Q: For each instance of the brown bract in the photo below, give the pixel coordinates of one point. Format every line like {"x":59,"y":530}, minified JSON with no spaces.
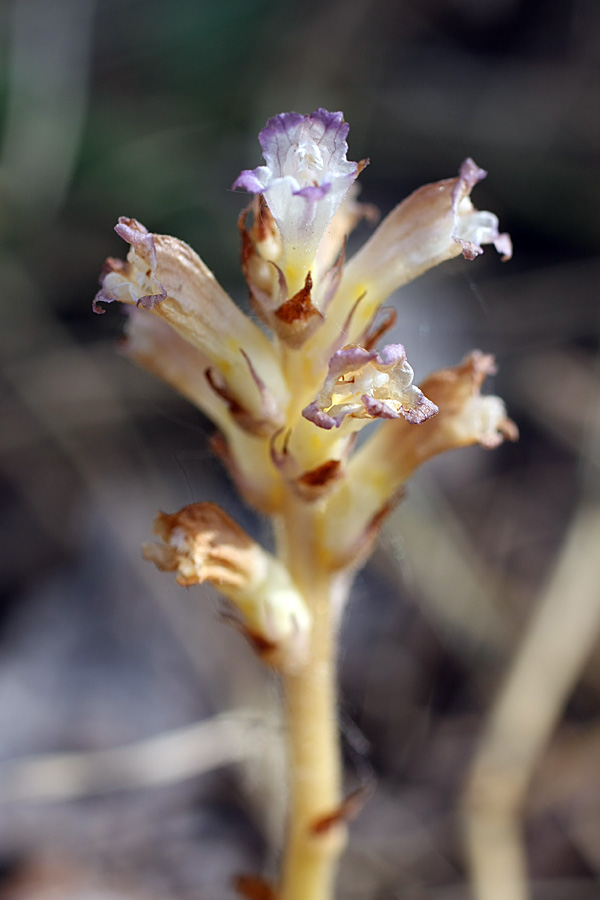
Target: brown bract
{"x":308,"y":484}
{"x":260,"y":253}
{"x":298,"y":318}
{"x":252,"y":887}
{"x":293,"y":319}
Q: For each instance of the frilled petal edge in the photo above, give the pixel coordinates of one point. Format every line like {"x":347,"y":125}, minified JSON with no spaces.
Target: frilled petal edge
{"x":364,"y":384}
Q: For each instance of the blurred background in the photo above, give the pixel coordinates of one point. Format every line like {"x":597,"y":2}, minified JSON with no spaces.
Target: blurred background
{"x":151,"y":110}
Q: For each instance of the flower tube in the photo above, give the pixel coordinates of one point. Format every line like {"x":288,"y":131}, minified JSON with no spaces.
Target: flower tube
{"x":436,"y":223}
{"x":166,"y":278}
{"x":364,"y":385}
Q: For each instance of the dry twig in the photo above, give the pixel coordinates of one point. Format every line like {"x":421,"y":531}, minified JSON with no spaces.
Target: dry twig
{"x":547,"y":666}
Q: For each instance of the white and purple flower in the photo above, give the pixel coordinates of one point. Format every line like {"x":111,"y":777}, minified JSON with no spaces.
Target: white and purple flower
{"x":364,"y":384}
{"x":305,"y":179}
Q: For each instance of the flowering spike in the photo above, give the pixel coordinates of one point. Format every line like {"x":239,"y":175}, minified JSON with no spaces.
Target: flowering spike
{"x":289,"y":406}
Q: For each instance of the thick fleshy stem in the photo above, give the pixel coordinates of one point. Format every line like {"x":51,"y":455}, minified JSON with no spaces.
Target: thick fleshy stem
{"x":316,"y":832}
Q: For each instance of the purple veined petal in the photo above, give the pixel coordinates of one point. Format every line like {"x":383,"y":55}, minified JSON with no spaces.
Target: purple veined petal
{"x":305,"y":179}
{"x":280,"y":128}
{"x":287,"y":130}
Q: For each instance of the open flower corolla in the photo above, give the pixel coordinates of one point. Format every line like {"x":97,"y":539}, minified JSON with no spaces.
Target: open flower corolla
{"x":305,"y":178}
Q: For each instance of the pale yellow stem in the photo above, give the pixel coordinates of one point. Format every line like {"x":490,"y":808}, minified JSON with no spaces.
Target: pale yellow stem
{"x":315,"y":838}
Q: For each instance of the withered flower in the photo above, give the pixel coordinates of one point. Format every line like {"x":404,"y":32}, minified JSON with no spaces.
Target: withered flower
{"x":202,"y":543}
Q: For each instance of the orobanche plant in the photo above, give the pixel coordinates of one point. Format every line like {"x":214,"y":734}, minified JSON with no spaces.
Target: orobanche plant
{"x":289,"y":400}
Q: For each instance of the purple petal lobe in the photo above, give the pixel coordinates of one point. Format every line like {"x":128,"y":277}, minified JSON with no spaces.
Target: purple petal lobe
{"x":470,"y":173}
{"x":472,"y":227}
{"x":314,"y":414}
{"x":138,"y":236}
{"x":249,"y":181}
{"x":393,"y":354}
{"x":313,"y":192}
{"x":351,"y":357}
{"x":134,"y":281}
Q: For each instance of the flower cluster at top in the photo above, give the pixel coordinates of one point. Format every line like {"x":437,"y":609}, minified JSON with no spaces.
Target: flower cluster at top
{"x":289,"y":398}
